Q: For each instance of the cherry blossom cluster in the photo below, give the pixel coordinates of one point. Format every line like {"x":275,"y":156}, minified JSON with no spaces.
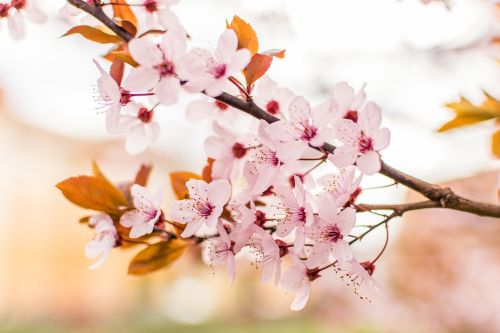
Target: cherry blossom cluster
{"x":16,"y":11}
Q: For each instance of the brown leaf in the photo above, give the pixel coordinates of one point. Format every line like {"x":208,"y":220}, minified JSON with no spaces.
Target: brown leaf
{"x":278,"y":53}
{"x":257,"y":67}
{"x":117,"y":69}
{"x":123,"y":12}
{"x":156,"y":256}
{"x":206,"y":174}
{"x":247,"y":38}
{"x":466,"y":113}
{"x":121,"y":53}
{"x":93,"y":34}
{"x":142,"y":176}
{"x":178,"y":182}
{"x":495,"y":143}
{"x":94,"y":193}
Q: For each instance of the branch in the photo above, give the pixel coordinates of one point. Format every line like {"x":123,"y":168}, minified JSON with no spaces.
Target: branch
{"x":439,"y":196}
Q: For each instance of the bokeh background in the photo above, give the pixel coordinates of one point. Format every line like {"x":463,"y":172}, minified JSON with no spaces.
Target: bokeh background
{"x":441,"y":270}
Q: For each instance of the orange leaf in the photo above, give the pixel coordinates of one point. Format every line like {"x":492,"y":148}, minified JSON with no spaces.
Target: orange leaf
{"x":94,"y":193}
{"x":117,"y":69}
{"x":178,"y":182}
{"x":123,"y":12}
{"x":247,"y":38}
{"x":156,"y":256}
{"x":130,"y":27}
{"x":495,"y":144}
{"x":278,"y":53}
{"x":257,"y":67}
{"x":141,"y":178}
{"x":123,"y":54}
{"x":93,"y":34}
{"x":206,"y":174}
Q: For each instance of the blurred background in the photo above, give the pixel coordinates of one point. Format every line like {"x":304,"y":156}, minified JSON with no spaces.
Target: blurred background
{"x":441,"y":270}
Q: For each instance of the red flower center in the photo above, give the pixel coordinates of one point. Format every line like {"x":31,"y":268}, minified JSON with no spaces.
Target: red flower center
{"x":221,"y":106}
{"x":260,"y":218}
{"x":351,"y":115}
{"x":333,"y":234}
{"x":166,"y":68}
{"x":219,"y":70}
{"x":309,"y":133}
{"x":273,"y":107}
{"x":365,"y":143}
{"x":145,"y":115}
{"x":369,"y":267}
{"x":204,"y":208}
{"x":151,"y":5}
{"x":125,"y":96}
{"x":238,"y":150}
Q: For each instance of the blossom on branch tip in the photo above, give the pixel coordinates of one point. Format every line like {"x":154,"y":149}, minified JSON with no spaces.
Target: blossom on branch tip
{"x":159,"y":12}
{"x":343,"y":186}
{"x":146,"y":212}
{"x":347,"y":101}
{"x":362,"y":141}
{"x":204,"y":207}
{"x":272,"y":98}
{"x":104,"y":240}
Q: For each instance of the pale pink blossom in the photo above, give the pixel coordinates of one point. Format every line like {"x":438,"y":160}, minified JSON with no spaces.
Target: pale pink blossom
{"x":104,"y":239}
{"x":204,"y":207}
{"x":298,"y":213}
{"x":348,"y":102}
{"x":228,"y":150}
{"x":221,"y":252}
{"x":248,"y":218}
{"x":211,"y":109}
{"x":298,"y":279}
{"x":226,"y":62}
{"x":138,"y":122}
{"x":269,"y":159}
{"x":268,"y":256}
{"x":146,"y":212}
{"x":305,"y":124}
{"x":162,"y":67}
{"x":330,"y":231}
{"x":19,"y":10}
{"x":159,"y":12}
{"x":344,"y":185}
{"x":359,"y":277}
{"x":272,"y":98}
{"x":362,"y":141}
{"x":110,"y":94}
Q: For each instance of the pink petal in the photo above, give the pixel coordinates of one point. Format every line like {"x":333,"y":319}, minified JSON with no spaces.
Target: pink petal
{"x":152,"y":131}
{"x":168,"y":20}
{"x":265,"y":178}
{"x":344,"y":156}
{"x":300,"y":110}
{"x":343,"y":95}
{"x":199,"y":110}
{"x":319,"y":255}
{"x":226,"y":47}
{"x":141,"y":79}
{"x":341,"y":250}
{"x":16,"y":26}
{"x":136,"y":141}
{"x":381,"y":139}
{"x":139,"y":230}
{"x":238,"y":61}
{"x":219,"y":192}
{"x":191,"y":228}
{"x":347,"y":220}
{"x":146,"y":53}
{"x":182,"y":211}
{"x":369,"y":163}
{"x":346,"y":131}
{"x":198,"y":189}
{"x":131,"y":218}
{"x":174,"y":43}
{"x":370,"y":118}
{"x":113,"y":118}
{"x":167,"y":90}
{"x":302,"y":296}
{"x":300,"y":239}
{"x":216,"y":147}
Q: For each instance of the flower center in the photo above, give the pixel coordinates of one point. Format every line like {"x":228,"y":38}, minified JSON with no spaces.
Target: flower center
{"x":221,"y":106}
{"x":166,"y":68}
{"x":219,"y":70}
{"x":309,"y":133}
{"x":204,"y":208}
{"x":260,"y":218}
{"x":351,"y":115}
{"x":151,"y":5}
{"x":333,"y":234}
{"x":125,"y":97}
{"x":238,"y":150}
{"x":4,"y":10}
{"x":145,"y":115}
{"x":365,"y":143}
{"x":273,"y":107}
{"x":301,"y":214}
{"x":369,"y":267}
{"x":18,"y":4}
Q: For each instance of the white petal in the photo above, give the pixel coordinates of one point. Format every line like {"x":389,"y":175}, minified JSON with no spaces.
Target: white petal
{"x":167,"y":90}
{"x":227,"y":45}
{"x":369,"y":163}
{"x":141,"y":79}
{"x":145,"y":52}
{"x":136,"y":141}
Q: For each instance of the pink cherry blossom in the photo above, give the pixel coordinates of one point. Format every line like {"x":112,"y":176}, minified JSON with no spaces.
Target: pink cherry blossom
{"x":268,"y":256}
{"x":17,"y":11}
{"x":162,"y":67}
{"x":140,"y":127}
{"x":146,"y":212}
{"x":221,"y":252}
{"x":159,"y":12}
{"x":298,"y":213}
{"x":329,"y":231}
{"x":104,"y":239}
{"x":343,"y":186}
{"x":272,"y":98}
{"x":204,"y":207}
{"x":305,"y":124}
{"x":268,"y":160}
{"x":247,"y":226}
{"x":348,"y":102}
{"x":226,"y":61}
{"x":298,"y":279}
{"x":212,"y":109}
{"x":228,"y":150}
{"x":359,"y":276}
{"x":362,"y":140}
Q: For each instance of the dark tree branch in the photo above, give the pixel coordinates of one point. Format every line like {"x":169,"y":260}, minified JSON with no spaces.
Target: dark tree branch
{"x":438,"y":196}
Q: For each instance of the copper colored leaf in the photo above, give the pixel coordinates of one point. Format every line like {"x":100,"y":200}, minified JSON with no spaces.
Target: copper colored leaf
{"x":257,"y":67}
{"x":122,"y":54}
{"x":178,"y":182}
{"x":142,"y":176}
{"x":93,"y":34}
{"x":93,"y":193}
{"x":123,"y":12}
{"x":156,"y":256}
{"x":467,"y":113}
{"x":247,"y":38}
{"x":117,"y":69}
{"x":125,"y":240}
{"x":495,"y":144}
{"x":278,"y":53}
{"x":130,"y":27}
{"x":206,"y":174}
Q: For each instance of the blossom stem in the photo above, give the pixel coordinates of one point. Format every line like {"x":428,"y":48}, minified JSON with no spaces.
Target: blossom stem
{"x":379,"y":187}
